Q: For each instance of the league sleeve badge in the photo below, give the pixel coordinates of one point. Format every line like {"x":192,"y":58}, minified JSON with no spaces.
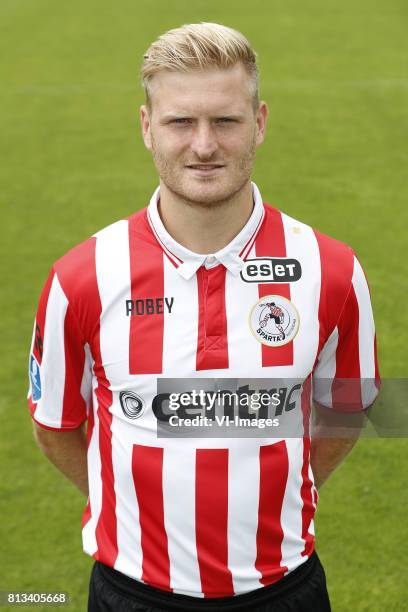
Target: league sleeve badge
{"x":35,"y":378}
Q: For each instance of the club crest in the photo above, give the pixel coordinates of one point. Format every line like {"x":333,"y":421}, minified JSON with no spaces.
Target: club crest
{"x":274,"y":320}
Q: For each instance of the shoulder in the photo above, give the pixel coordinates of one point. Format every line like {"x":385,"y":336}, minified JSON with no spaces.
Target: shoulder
{"x":333,"y":264}
{"x":77,"y":268}
{"x":336,"y":257}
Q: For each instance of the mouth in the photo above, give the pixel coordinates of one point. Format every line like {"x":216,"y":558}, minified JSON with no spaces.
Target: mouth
{"x":205,"y":168}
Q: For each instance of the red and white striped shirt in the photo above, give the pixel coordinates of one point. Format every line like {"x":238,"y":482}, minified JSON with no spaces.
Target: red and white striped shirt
{"x":204,"y":517}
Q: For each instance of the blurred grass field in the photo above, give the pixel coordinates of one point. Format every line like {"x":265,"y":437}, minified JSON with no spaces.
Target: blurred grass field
{"x":335,"y":77}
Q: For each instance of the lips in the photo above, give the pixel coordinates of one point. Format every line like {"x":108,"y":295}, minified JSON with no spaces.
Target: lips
{"x":205,"y":167}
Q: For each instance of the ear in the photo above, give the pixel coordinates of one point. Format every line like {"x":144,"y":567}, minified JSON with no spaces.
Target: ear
{"x":261,"y":118}
{"x":145,"y":124}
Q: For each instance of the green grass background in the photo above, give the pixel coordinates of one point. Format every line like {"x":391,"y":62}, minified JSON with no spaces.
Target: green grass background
{"x":335,"y":77}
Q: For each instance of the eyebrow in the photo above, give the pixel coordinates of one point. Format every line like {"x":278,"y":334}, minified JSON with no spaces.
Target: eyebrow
{"x":181,"y":115}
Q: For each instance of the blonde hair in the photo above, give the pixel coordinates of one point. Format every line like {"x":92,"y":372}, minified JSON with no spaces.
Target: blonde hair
{"x":199,"y":46}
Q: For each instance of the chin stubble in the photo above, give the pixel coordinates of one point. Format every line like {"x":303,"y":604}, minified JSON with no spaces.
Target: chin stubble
{"x":245,"y":165}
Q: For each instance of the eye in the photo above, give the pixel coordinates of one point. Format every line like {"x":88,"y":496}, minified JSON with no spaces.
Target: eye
{"x":180,"y":120}
{"x":225,"y":120}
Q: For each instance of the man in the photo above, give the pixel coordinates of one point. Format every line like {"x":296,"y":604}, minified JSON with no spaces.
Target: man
{"x":276,"y":314}
{"x":174,"y":295}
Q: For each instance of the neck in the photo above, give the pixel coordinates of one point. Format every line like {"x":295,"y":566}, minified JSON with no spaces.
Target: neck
{"x":205,"y":228}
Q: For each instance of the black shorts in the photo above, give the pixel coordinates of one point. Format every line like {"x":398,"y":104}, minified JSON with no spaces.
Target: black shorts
{"x":303,"y":590}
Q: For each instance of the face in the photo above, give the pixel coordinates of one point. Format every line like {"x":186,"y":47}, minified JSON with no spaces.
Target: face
{"x":203,"y":132}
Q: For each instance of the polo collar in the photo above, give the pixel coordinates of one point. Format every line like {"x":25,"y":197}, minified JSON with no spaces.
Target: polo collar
{"x":232,"y":256}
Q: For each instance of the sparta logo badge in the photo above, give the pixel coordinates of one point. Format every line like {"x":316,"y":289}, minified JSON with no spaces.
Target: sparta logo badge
{"x":132,"y":404}
{"x":274,"y":320}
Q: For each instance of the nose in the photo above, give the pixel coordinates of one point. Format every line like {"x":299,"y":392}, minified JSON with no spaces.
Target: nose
{"x":204,"y":143}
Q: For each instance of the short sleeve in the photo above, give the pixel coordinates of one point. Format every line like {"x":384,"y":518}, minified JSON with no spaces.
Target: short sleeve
{"x":60,"y":379}
{"x":346,"y":376}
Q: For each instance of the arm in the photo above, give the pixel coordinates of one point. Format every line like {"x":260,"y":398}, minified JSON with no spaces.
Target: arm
{"x":60,"y":378}
{"x":345,"y":377}
{"x":331,"y":444}
{"x":67,"y":450}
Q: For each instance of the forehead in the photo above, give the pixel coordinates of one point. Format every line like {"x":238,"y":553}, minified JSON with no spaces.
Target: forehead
{"x":209,"y":90}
